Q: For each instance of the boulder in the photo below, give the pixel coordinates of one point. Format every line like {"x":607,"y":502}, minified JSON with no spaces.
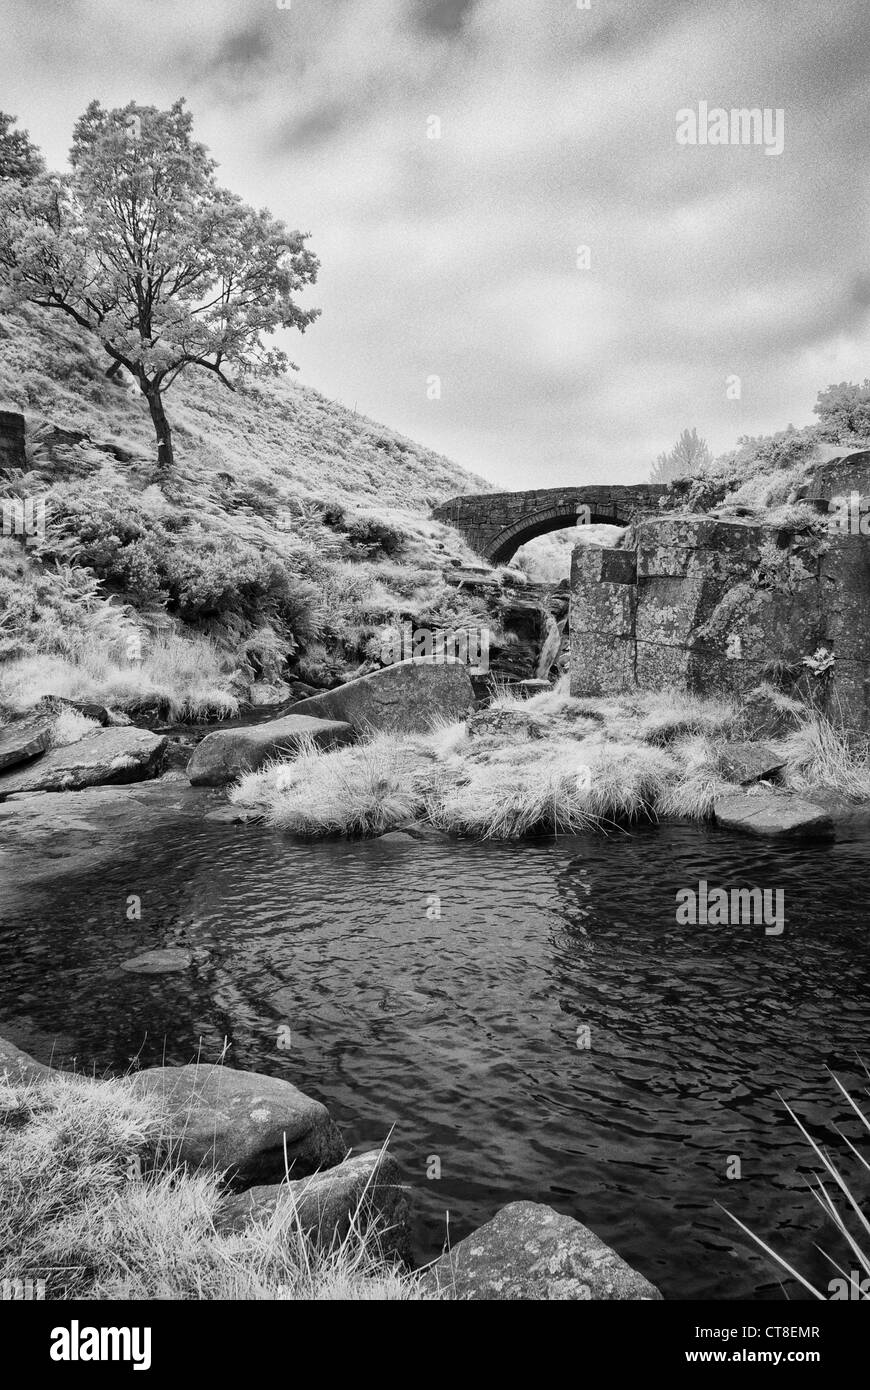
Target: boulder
{"x":23,"y":740}
{"x":226,"y":754}
{"x":16,"y":1065}
{"x":105,"y":756}
{"x":404,"y":698}
{"x":745,"y":762}
{"x":530,"y":1251}
{"x":772,"y":813}
{"x":159,"y":962}
{"x":268,"y":693}
{"x":505,"y":723}
{"x":767,"y":714}
{"x":366,"y":1188}
{"x":241,"y":1123}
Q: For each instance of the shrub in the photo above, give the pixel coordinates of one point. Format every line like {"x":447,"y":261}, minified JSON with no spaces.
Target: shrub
{"x":370,"y":533}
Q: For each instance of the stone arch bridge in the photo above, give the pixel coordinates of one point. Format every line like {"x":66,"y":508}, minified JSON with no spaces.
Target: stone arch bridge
{"x":496,"y":524}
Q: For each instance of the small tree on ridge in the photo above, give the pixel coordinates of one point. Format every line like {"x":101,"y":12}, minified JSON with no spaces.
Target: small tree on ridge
{"x":688,"y":456}
{"x":142,"y":247}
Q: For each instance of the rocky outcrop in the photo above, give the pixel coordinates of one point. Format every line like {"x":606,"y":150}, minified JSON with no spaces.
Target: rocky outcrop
{"x":22,"y":740}
{"x":242,"y":1123}
{"x":530,"y":1251}
{"x":834,"y":481}
{"x":12,"y":454}
{"x":772,"y":813}
{"x":226,"y":754}
{"x":404,"y":698}
{"x":106,"y":756}
{"x":366,"y":1190}
{"x":715,"y":606}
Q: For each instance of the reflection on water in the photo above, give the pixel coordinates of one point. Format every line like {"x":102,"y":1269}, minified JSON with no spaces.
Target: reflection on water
{"x":464,"y":1032}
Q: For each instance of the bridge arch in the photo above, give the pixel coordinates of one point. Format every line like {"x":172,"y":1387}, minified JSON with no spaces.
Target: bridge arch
{"x":504,"y":546}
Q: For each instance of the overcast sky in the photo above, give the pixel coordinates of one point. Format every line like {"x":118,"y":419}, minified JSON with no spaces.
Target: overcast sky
{"x":458,"y":257}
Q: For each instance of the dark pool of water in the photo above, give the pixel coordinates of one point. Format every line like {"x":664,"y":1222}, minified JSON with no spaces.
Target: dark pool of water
{"x":460,"y":1033}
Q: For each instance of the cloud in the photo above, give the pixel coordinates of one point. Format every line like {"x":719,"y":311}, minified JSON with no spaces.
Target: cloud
{"x":458,"y":256}
{"x":444,"y":16}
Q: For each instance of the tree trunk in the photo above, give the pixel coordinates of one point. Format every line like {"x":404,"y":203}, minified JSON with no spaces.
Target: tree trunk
{"x":165,"y":456}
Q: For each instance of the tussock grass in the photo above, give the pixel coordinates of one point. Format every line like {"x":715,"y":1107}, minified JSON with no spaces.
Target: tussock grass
{"x":820,"y":755}
{"x":511,"y":798}
{"x":362,"y":790}
{"x":71,"y":726}
{"x":553,"y":764}
{"x":839,"y":1199}
{"x":180,"y":674}
{"x":691,"y":795}
{"x":71,"y":1213}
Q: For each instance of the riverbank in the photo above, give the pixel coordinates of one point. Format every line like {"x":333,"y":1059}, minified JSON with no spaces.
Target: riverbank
{"x":143,"y":1187}
{"x":560,"y":764}
{"x":517,"y":768}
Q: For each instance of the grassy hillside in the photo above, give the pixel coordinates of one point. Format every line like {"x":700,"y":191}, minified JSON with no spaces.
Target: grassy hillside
{"x":290,"y":533}
{"x":280,"y":435}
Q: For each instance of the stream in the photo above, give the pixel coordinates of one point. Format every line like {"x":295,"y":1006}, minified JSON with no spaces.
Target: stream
{"x":442,"y":992}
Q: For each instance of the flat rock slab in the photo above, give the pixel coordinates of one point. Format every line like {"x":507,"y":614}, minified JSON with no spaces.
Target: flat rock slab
{"x":366,"y":1188}
{"x":17,"y":1066}
{"x":772,"y":813}
{"x":530,"y":1251}
{"x":41,"y":832}
{"x":23,"y":740}
{"x":159,"y":962}
{"x":106,"y":756}
{"x":226,"y":754}
{"x":404,"y":698}
{"x":747,"y":762}
{"x":238,"y":1121}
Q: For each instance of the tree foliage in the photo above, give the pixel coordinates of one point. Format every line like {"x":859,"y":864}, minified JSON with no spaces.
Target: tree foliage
{"x":844,"y":411}
{"x":19,"y":157}
{"x":140,"y":245}
{"x":688,"y":456}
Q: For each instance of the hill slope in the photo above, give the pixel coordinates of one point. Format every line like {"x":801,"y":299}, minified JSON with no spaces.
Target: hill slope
{"x":289,"y":533}
{"x":285,"y":435}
